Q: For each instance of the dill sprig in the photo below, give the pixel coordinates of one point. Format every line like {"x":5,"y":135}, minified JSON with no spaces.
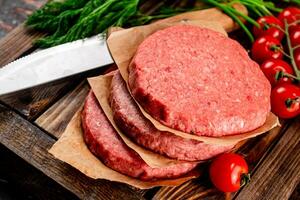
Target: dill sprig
{"x":69,"y":20}
{"x":56,"y":14}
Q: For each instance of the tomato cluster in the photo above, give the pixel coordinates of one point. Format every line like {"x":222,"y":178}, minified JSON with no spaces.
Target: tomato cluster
{"x":228,"y":172}
{"x":268,"y":51}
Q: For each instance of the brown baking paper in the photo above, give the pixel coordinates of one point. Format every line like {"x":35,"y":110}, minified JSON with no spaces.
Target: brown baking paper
{"x":101,"y":88}
{"x":72,"y":149}
{"x":211,"y":14}
{"x":123,"y":45}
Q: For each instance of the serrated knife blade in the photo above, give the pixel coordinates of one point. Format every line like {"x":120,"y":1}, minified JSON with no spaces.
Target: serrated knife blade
{"x":54,"y":63}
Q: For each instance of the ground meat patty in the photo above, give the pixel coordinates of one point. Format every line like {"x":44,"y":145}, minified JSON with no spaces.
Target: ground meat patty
{"x":199,"y":81}
{"x":132,"y":122}
{"x":105,"y":143}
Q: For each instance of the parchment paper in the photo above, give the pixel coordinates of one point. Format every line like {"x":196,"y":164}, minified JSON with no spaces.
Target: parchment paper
{"x":211,"y":14}
{"x":72,"y":149}
{"x":123,"y":45}
{"x":101,"y":88}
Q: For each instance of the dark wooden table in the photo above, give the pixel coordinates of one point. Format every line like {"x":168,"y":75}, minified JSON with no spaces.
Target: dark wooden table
{"x":27,"y":171}
{"x":18,"y":179}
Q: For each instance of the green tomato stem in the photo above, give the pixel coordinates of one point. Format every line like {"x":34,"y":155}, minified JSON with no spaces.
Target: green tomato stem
{"x":245,"y":179}
{"x":288,"y":75}
{"x":229,"y":12}
{"x":250,"y":20}
{"x":291,"y":50}
{"x":296,"y":47}
{"x":277,"y":48}
{"x":289,"y":101}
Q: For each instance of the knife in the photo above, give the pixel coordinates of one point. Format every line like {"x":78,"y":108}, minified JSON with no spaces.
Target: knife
{"x":55,"y":63}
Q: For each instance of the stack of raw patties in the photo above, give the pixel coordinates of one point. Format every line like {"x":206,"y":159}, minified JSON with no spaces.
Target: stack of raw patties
{"x":186,"y":93}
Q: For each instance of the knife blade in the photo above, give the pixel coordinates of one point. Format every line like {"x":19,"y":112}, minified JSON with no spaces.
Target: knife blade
{"x":55,"y":63}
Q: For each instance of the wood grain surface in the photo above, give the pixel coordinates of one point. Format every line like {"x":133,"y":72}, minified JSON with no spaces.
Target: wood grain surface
{"x":20,"y":180}
{"x":32,"y":144}
{"x":16,"y":43}
{"x":57,"y":117}
{"x":279,"y":169}
{"x":32,"y":102}
{"x":32,"y":120}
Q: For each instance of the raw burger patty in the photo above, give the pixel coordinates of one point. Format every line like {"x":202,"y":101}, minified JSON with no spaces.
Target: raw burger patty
{"x":200,"y":82}
{"x":106,"y":144}
{"x":132,"y":122}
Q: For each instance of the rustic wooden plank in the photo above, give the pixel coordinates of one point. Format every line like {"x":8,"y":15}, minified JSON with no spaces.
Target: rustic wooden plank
{"x":196,"y":189}
{"x":254,"y":149}
{"x":31,"y":102}
{"x":32,"y":144}
{"x":279,"y":173}
{"x":27,"y":180}
{"x":202,"y":188}
{"x":296,"y":193}
{"x":17,"y":42}
{"x":57,"y":117}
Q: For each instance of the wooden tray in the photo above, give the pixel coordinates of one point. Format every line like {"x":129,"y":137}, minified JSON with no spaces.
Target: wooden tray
{"x":32,"y":120}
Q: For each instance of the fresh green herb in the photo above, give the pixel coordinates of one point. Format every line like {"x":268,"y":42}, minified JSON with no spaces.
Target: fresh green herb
{"x":69,"y":20}
{"x":257,"y":8}
{"x":56,"y":14}
{"x":292,"y":1}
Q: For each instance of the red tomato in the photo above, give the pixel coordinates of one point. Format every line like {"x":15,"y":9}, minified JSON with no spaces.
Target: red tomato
{"x":285,"y":100}
{"x":268,"y":27}
{"x":290,"y":14}
{"x":297,"y":57}
{"x":228,"y":171}
{"x":272,"y":66}
{"x":263,"y":49}
{"x":293,"y":28}
{"x":295,"y":35}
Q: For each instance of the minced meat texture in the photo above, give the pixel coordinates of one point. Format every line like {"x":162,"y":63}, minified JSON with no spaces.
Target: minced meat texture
{"x":105,"y":143}
{"x":131,"y":121}
{"x":198,"y":81}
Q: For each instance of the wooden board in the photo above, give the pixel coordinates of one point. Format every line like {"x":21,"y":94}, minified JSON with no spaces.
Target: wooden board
{"x":279,"y":170}
{"x":32,"y":120}
{"x":32,"y":144}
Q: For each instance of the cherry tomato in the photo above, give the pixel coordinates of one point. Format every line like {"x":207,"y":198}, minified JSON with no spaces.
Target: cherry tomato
{"x":268,"y":26}
{"x":293,"y":28}
{"x":295,"y":35}
{"x":272,"y":66}
{"x":285,"y":100}
{"x":228,"y":172}
{"x":297,"y":57}
{"x":264,"y":48}
{"x":290,"y":14}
